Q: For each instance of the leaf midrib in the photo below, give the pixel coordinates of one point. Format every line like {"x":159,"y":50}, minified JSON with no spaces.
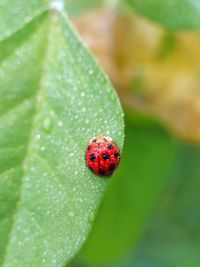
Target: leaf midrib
{"x":25,"y":22}
{"x":37,"y":101}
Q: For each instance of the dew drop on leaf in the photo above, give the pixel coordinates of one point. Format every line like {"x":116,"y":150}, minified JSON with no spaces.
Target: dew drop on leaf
{"x":47,"y":125}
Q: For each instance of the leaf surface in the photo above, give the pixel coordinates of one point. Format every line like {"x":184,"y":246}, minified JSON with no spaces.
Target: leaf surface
{"x":53,"y":99}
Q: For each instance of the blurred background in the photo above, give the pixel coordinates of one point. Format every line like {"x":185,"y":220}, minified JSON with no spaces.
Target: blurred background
{"x":150,"y":216}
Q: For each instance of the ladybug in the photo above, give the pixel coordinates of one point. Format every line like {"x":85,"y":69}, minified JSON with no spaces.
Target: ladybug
{"x":102,"y":155}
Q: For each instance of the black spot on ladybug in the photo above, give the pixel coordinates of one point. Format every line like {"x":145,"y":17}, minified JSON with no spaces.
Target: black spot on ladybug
{"x":101,"y":172}
{"x":94,"y":140}
{"x":105,"y":156}
{"x":92,"y":157}
{"x":116,"y":154}
{"x":111,"y":167}
{"x":88,"y":148}
{"x":110,"y":146}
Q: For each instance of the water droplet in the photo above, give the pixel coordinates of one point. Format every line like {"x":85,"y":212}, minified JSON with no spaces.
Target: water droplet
{"x":120,"y":133}
{"x":91,"y":217}
{"x":60,"y":123}
{"x":47,"y":125}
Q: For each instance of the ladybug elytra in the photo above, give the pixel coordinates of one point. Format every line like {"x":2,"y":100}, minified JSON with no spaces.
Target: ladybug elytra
{"x":102,"y":155}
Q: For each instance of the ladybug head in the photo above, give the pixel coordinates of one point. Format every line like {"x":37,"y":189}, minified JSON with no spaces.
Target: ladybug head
{"x":100,"y":139}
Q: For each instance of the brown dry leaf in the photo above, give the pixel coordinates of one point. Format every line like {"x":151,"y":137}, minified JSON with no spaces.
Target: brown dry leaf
{"x":154,"y":71}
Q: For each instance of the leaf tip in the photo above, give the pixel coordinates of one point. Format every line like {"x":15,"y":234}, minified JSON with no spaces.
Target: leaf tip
{"x":57,"y":5}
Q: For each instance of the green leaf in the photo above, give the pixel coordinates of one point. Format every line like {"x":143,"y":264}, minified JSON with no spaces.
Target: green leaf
{"x":15,"y":14}
{"x":53,"y":98}
{"x":172,"y":236}
{"x":172,"y":14}
{"x":146,"y":161}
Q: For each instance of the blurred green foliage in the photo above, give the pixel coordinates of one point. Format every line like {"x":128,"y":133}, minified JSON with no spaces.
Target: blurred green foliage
{"x":172,"y":235}
{"x":172,"y":14}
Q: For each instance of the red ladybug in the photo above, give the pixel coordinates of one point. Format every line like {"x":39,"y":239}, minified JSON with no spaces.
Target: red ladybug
{"x":102,"y":155}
